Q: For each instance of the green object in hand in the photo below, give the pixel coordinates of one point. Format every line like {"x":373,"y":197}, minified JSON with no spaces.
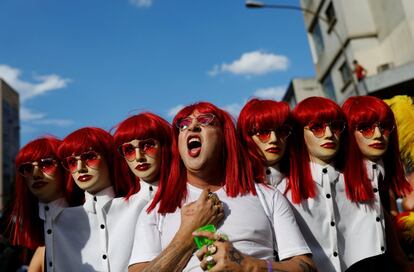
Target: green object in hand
{"x":202,"y":241}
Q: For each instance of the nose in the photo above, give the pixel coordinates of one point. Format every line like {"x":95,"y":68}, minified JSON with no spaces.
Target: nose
{"x":328,"y":132}
{"x":37,"y":173}
{"x":273,"y":137}
{"x":81,"y":166}
{"x":377,"y":132}
{"x":139,"y":155}
{"x":195,"y":126}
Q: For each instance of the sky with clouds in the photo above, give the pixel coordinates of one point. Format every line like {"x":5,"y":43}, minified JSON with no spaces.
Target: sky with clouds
{"x":93,"y":63}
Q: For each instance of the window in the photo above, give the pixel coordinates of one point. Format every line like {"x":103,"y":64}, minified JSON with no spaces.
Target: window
{"x":328,"y":87}
{"x":317,"y":38}
{"x":345,"y":73}
{"x":330,"y":16}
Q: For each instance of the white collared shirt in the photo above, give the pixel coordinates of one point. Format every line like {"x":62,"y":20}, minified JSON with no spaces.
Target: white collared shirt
{"x":48,"y":212}
{"x":98,"y":236}
{"x":273,"y":176}
{"x":245,"y":222}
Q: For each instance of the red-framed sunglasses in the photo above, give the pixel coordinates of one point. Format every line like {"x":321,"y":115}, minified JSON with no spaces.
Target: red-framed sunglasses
{"x":47,"y":166}
{"x":367,"y":129}
{"x":148,"y":147}
{"x":203,"y":120}
{"x":90,"y":158}
{"x":282,"y":132}
{"x":319,"y":128}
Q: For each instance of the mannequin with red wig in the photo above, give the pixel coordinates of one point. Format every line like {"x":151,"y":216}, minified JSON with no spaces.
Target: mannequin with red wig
{"x":40,"y":195}
{"x":263,"y":127}
{"x":105,"y":224}
{"x":143,"y":142}
{"x":207,"y":156}
{"x":315,"y":182}
{"x":373,"y":171}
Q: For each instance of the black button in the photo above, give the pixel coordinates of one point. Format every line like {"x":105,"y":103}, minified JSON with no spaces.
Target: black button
{"x":49,"y":231}
{"x":46,"y":208}
{"x":104,"y":257}
{"x":375,"y":190}
{"x":378,"y":219}
{"x":102,"y":226}
{"x":94,"y":198}
{"x":332,"y":223}
{"x":374,"y":166}
{"x":335,"y":254}
{"x":324,"y":170}
{"x":268,"y":172}
{"x":382,"y":248}
{"x":50,"y":263}
{"x":151,"y":189}
{"x":328,"y":196}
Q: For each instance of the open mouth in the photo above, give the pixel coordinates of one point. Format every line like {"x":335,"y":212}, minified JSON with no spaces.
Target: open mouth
{"x":194,"y":146}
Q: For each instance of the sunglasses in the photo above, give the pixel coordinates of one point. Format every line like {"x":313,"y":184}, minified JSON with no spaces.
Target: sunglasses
{"x":282,"y":133}
{"x":90,"y":158}
{"x":202,"y":119}
{"x":148,"y":147}
{"x":368,"y":129}
{"x":48,"y":166}
{"x":319,"y":128}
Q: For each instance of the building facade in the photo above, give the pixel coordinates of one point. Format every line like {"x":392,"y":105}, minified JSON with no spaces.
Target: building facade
{"x":379,"y":34}
{"x":9,"y":141}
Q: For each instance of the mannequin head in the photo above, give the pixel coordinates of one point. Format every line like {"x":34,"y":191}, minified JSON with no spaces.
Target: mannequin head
{"x":87,"y":154}
{"x":264,"y":127}
{"x":143,"y":142}
{"x":319,"y":123}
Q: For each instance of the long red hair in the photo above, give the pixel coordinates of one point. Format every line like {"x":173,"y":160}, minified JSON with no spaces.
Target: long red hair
{"x":99,"y":140}
{"x":312,"y":109}
{"x":25,"y":224}
{"x":358,"y":187}
{"x":143,"y":126}
{"x":259,"y":115}
{"x":238,"y":171}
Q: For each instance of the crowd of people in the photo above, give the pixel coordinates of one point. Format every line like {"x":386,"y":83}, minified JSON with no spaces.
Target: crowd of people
{"x":308,"y":189}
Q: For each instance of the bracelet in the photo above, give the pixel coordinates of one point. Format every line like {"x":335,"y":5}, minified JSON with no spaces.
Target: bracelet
{"x":269,"y":266}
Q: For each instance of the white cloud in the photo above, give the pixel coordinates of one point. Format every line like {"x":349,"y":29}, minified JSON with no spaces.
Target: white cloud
{"x":275,"y":93}
{"x":26,"y":89}
{"x":173,"y":111}
{"x":28,"y":115}
{"x":141,"y":3}
{"x":55,"y":122}
{"x":234,"y":109}
{"x":253,"y":63}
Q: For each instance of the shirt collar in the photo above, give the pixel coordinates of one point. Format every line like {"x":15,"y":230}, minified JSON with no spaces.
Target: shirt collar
{"x":273,"y":175}
{"x":100,"y":199}
{"x":371,"y":166}
{"x":318,"y":171}
{"x":52,"y":208}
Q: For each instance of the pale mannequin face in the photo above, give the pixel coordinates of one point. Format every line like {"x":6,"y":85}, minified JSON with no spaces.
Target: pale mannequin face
{"x":45,"y":187}
{"x":321,"y":150}
{"x":373,"y":148}
{"x":273,"y":150}
{"x":145,"y":166}
{"x":200,"y":146}
{"x":94,"y":179}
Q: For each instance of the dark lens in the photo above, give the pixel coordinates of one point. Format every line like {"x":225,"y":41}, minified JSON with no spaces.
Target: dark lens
{"x":337,"y":127}
{"x":90,"y":155}
{"x":263,"y":135}
{"x":318,"y":129}
{"x":128,"y":150}
{"x":25,"y":168}
{"x":367,"y":129}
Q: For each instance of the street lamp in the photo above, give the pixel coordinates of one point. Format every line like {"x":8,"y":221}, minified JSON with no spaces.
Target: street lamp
{"x":257,"y":4}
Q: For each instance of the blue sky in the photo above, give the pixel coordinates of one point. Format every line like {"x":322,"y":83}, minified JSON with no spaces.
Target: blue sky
{"x":94,"y":62}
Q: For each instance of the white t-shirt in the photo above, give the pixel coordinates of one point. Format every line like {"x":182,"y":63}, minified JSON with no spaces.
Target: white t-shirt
{"x":245,"y":223}
{"x":338,"y":231}
{"x":98,"y":236}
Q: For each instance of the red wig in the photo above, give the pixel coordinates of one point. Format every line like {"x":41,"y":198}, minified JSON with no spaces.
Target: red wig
{"x":312,"y":109}
{"x":26,"y":226}
{"x":259,"y":115}
{"x":143,"y":126}
{"x":358,"y":187}
{"x":99,"y":140}
{"x":238,"y":171}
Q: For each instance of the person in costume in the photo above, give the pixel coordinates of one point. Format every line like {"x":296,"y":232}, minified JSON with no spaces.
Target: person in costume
{"x":208,"y":156}
{"x":40,"y":198}
{"x":263,"y":127}
{"x":373,"y":173}
{"x":143,"y":142}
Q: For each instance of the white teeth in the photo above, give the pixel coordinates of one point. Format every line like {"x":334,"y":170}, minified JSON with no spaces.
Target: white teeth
{"x":194,"y":140}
